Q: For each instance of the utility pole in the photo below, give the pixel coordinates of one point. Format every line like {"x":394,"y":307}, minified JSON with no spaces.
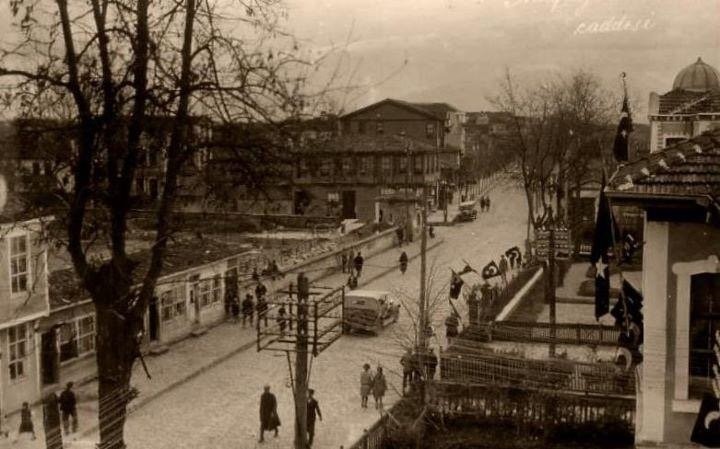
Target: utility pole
{"x":551,"y":284}
{"x":301,"y":363}
{"x":423,"y":273}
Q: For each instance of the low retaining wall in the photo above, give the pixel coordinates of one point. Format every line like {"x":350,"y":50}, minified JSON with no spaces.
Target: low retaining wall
{"x":519,"y":296}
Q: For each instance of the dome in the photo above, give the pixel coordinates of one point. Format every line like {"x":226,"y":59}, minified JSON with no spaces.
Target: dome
{"x":697,"y":77}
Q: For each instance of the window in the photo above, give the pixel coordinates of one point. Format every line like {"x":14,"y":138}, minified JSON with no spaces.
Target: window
{"x":302,"y":167}
{"x":140,"y":185}
{"x":153,"y":157}
{"x":347,"y":166}
{"x":361,"y":127}
{"x":333,"y":197}
{"x":77,"y":338}
{"x":210,"y":291}
{"x":36,"y":168}
{"x":704,"y":321}
{"x":670,"y":141}
{"x":17,"y":350}
{"x":325,"y":167}
{"x":173,"y":303}
{"x":379,"y":128}
{"x":418,"y":162}
{"x":19,"y":264}
{"x":404,"y":164}
{"x":47,"y":168}
{"x":386,"y":164}
{"x":430,"y":130}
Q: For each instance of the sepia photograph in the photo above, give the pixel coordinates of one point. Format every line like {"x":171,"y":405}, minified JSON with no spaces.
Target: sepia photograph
{"x":359,"y":224}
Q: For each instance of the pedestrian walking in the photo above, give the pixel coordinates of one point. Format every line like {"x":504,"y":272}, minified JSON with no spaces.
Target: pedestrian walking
{"x":68,"y":409}
{"x":407,"y":362}
{"x":351,"y":260}
{"x":255,"y":275}
{"x":451,"y":326}
{"x":269,"y":419}
{"x":503,"y":266}
{"x":26,"y":422}
{"x":262,"y":310}
{"x":352,"y":282}
{"x":366,"y":383}
{"x":379,"y":388}
{"x":403,"y":262}
{"x":235,"y":308}
{"x":431,"y":364}
{"x":358,"y":261}
{"x":313,"y":411}
{"x":248,"y":309}
{"x":282,"y":319}
{"x":400,"y":235}
{"x":344,"y":262}
{"x":51,"y":422}
{"x":487,"y":203}
{"x":260,"y":290}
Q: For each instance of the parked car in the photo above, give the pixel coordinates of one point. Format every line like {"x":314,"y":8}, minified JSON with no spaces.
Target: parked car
{"x":369,"y":310}
{"x":468,"y":212}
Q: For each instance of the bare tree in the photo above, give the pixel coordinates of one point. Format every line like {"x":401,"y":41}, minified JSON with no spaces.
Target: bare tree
{"x":102,"y":70}
{"x":558,"y":125}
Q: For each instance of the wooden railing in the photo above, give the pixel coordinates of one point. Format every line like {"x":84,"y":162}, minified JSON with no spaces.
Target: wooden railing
{"x":509,"y":371}
{"x":533,"y":332}
{"x":541,"y":409}
{"x":373,"y":437}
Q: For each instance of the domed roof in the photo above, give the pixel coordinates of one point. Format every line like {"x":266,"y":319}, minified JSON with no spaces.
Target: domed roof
{"x":697,"y":77}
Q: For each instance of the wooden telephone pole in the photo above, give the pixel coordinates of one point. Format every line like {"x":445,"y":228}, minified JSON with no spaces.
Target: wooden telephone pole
{"x":422,"y":341}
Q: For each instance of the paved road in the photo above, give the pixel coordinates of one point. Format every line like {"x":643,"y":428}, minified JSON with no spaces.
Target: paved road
{"x":219,"y":409}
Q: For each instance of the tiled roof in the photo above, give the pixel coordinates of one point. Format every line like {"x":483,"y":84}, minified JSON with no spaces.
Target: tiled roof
{"x":180,"y":256}
{"x":688,"y":102}
{"x":438,"y":110}
{"x":687,"y":169}
{"x":365,"y":143}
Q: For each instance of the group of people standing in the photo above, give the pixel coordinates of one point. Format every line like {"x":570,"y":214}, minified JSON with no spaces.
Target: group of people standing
{"x":251,"y":308}
{"x":372,"y":383}
{"x":484,"y":203}
{"x":352,"y":264}
{"x":417,"y":366}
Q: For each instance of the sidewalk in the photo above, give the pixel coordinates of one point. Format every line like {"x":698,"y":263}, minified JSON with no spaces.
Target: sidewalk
{"x":186,"y":360}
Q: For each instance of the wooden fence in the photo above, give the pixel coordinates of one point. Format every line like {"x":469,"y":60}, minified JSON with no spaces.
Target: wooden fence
{"x":510,"y":371}
{"x":533,"y":332}
{"x":528,"y":408}
{"x":373,"y":437}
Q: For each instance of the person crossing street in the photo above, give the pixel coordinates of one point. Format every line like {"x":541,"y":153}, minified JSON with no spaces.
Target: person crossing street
{"x":403,"y":262}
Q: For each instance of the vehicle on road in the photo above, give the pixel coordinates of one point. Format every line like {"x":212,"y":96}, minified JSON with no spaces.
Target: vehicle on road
{"x":468,"y":211}
{"x":369,"y":310}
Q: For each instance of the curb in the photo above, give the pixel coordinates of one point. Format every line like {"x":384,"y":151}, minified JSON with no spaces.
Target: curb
{"x":141,"y":403}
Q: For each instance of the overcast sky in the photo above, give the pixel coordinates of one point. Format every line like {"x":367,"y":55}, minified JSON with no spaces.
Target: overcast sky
{"x":456,"y":50}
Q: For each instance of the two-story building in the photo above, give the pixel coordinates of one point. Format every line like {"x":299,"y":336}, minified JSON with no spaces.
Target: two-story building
{"x":24,"y":304}
{"x":349,"y":175}
{"x":423,"y":122}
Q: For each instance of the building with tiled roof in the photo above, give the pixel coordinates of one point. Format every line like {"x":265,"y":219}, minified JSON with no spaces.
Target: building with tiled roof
{"x":689,"y":109}
{"x":678,"y":189}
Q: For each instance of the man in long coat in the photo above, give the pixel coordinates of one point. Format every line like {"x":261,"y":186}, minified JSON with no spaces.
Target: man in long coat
{"x":268,"y":413}
{"x":313,"y":411}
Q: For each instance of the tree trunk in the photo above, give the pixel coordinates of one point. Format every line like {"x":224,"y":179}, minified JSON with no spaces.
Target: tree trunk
{"x":116,"y":350}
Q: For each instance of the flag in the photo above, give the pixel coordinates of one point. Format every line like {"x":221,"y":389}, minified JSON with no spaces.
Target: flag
{"x":456,"y":284}
{"x":514,"y":254}
{"x":707,"y":424}
{"x":620,"y":148}
{"x":603,"y":240}
{"x":467,"y":269}
{"x":491,"y":270}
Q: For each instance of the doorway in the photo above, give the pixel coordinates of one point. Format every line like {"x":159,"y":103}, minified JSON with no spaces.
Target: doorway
{"x":348,"y":204}
{"x":154,"y":318}
{"x":49,"y":360}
